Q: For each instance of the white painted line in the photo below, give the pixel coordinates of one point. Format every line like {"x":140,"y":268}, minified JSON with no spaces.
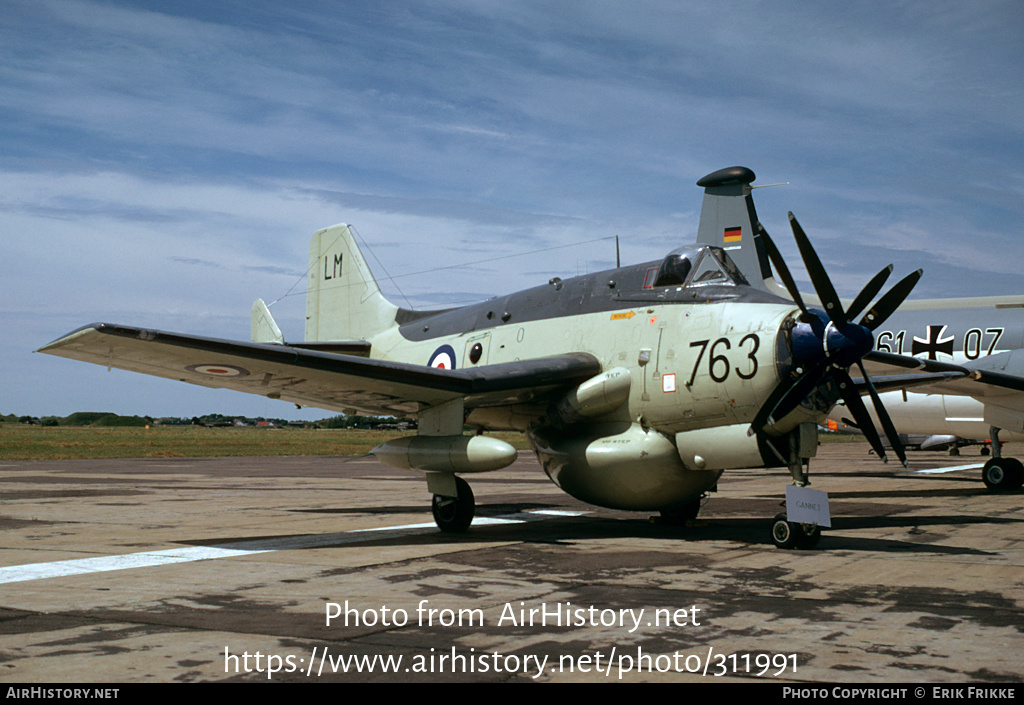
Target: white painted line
{"x":146,"y":559}
{"x":939,"y":471}
{"x":98,"y":564}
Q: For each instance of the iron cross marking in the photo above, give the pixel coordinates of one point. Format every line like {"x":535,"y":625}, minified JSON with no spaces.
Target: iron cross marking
{"x":934,"y":345}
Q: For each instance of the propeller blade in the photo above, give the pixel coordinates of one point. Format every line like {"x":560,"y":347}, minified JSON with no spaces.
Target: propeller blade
{"x":860,"y":412}
{"x":868,"y":293}
{"x":784,"y":398}
{"x":780,"y":266}
{"x":840,"y":351}
{"x":892,"y":299}
{"x":887,"y":425}
{"x":822,"y":284}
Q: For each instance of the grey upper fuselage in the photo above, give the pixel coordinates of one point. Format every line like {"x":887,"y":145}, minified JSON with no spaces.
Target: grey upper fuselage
{"x":610,"y":290}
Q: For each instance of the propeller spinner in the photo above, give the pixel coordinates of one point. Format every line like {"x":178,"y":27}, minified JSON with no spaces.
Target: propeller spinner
{"x":826,"y":344}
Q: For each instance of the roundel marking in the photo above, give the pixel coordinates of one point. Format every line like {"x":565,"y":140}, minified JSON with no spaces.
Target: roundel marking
{"x":219,"y":370}
{"x":443,"y":358}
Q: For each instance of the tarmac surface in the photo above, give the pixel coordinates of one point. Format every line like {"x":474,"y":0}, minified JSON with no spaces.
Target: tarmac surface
{"x":168,"y":570}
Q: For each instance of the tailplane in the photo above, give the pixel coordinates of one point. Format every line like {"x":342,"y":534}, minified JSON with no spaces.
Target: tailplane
{"x":264,"y":327}
{"x":343,"y":300}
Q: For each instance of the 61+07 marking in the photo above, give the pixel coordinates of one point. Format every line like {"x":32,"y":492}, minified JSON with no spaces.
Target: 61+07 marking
{"x":972,"y":344}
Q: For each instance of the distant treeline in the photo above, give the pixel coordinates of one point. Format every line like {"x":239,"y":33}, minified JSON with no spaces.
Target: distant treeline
{"x":107,"y":419}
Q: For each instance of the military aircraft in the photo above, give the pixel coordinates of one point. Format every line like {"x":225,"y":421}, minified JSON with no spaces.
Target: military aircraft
{"x":977,"y":340}
{"x":636,"y":387}
{"x":838,"y":422}
{"x":940,"y":414}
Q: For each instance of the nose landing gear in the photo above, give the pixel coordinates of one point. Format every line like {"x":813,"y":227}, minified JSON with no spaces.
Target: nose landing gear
{"x":790,"y":534}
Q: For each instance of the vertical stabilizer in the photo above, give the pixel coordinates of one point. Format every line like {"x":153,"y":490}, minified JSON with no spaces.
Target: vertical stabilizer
{"x":343,"y":301}
{"x":728,"y":220}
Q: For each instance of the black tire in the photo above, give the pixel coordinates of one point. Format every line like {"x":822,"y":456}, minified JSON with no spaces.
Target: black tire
{"x":789,"y":534}
{"x":784,"y":533}
{"x":454,"y":514}
{"x":1003,"y":474}
{"x":681,"y":514}
{"x":808,"y":536}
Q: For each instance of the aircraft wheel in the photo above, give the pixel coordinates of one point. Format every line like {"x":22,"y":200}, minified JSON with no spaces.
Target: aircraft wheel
{"x":789,"y":534}
{"x":681,"y":514}
{"x":809,"y":535}
{"x":455,"y":514}
{"x":1003,"y":474}
{"x":784,"y":533}
{"x":954,"y":451}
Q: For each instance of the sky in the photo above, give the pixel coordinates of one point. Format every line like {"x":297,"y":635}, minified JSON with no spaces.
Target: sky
{"x":164,"y":164}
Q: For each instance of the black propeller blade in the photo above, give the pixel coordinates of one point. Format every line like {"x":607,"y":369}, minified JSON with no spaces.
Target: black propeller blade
{"x":786,"y":397}
{"x":891,"y":301}
{"x":887,"y":425}
{"x":780,"y":266}
{"x":819,"y":278}
{"x":829,"y":351}
{"x":868,"y":292}
{"x":860,"y":413}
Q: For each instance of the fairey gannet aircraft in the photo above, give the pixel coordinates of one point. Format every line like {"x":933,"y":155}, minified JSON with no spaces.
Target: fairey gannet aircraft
{"x":636,"y":387}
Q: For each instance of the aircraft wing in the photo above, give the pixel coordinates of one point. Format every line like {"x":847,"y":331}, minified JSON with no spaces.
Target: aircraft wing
{"x":997,"y":381}
{"x":317,"y":378}
{"x":993,"y":376}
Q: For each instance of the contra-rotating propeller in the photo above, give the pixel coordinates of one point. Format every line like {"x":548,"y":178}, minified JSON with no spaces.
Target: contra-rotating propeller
{"x":824,"y":348}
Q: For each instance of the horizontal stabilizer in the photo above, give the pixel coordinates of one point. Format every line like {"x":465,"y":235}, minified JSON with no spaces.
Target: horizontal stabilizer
{"x":265,"y":330}
{"x":264,"y":327}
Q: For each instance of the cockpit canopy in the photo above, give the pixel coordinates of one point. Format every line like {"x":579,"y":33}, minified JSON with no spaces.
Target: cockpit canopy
{"x":698,"y":265}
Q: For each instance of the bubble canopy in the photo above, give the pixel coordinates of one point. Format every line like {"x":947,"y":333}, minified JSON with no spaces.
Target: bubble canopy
{"x":698,"y":265}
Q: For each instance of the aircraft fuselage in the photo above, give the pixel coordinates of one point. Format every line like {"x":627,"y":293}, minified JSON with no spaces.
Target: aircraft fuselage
{"x":698,"y":357}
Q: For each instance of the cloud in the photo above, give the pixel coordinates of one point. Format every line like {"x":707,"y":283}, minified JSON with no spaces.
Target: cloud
{"x":165,"y":164}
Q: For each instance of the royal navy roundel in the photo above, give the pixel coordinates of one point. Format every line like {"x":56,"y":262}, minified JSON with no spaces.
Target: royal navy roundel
{"x":443,"y":358}
{"x":219,"y":370}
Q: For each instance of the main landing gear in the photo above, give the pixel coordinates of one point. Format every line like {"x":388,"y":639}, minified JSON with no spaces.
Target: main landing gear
{"x":681,"y":514}
{"x":1001,"y":474}
{"x":455,"y":514}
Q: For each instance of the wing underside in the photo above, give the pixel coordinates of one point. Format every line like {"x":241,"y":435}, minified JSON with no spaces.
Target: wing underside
{"x":994,"y":376}
{"x":326,"y":380}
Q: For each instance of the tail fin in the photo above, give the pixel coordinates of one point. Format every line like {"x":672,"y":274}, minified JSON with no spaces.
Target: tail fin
{"x":728,"y":220}
{"x":343,"y":301}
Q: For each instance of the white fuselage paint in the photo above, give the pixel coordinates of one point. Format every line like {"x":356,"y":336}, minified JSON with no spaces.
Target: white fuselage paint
{"x":933,"y":414}
{"x":692,"y":365}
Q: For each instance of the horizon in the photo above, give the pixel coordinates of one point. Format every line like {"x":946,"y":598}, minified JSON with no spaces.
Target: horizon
{"x":165,"y":165}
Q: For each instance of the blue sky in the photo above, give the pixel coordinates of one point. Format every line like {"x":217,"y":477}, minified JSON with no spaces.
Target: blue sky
{"x":164,"y":163}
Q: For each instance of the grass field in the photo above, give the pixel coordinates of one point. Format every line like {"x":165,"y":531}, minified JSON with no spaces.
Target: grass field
{"x":23,"y":442}
{"x":20,"y":442}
